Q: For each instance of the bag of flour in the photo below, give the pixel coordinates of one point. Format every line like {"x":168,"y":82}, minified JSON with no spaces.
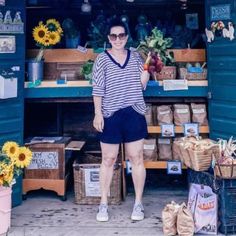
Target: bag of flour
{"x":203,"y":205}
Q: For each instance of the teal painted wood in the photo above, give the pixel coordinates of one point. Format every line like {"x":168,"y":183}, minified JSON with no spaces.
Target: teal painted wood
{"x":222,"y":78}
{"x":77,"y":92}
{"x":12,"y":109}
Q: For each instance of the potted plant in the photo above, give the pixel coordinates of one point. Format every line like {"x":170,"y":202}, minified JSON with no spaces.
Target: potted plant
{"x":12,"y":161}
{"x":158,"y":45}
{"x":72,"y":35}
{"x":87,"y":70}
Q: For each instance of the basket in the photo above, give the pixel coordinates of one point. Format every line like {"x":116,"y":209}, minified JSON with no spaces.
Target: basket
{"x":87,"y":192}
{"x":184,"y":74}
{"x":225,"y":171}
{"x":167,"y":72}
{"x":200,"y":160}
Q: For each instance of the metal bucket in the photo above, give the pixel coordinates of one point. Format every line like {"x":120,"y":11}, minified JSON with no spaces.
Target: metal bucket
{"x":35,"y":70}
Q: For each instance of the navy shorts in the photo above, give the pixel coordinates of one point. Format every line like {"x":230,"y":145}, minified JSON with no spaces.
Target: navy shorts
{"x":125,"y":125}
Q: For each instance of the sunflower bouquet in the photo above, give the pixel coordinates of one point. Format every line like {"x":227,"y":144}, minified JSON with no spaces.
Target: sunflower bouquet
{"x":13,"y":159}
{"x":47,"y":35}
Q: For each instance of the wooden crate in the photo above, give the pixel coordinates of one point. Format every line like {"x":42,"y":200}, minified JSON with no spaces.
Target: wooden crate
{"x":47,"y":169}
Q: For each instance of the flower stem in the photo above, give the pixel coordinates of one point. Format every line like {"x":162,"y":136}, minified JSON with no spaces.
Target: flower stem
{"x":40,"y":55}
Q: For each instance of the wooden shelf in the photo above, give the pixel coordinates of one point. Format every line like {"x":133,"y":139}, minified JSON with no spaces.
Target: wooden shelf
{"x":154,"y":165}
{"x":178,"y":129}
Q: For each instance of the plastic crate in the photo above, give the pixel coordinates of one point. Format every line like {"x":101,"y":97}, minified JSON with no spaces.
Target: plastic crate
{"x":228,"y":229}
{"x":227,"y":203}
{"x":228,"y":183}
{"x":17,"y":192}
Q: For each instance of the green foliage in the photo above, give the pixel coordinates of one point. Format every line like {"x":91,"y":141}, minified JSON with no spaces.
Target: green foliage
{"x":87,"y":68}
{"x":158,"y":44}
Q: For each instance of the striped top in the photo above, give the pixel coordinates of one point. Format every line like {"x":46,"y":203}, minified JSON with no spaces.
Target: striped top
{"x":118,"y":85}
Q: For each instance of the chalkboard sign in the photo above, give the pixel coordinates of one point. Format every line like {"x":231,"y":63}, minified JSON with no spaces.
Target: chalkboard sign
{"x":220,"y":12}
{"x":44,"y":160}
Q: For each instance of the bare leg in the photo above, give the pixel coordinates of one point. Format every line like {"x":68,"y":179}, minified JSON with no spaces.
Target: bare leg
{"x":109,"y":155}
{"x":134,"y":152}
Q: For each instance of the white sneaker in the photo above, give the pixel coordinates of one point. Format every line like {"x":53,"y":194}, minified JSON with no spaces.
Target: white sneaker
{"x":138,"y":212}
{"x":102,"y":214}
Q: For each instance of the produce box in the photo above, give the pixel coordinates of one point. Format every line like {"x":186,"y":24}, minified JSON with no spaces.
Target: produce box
{"x":185,"y":74}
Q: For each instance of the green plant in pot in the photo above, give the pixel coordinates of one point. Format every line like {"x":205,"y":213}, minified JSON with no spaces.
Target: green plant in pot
{"x":87,"y":70}
{"x":72,"y":35}
{"x":158,"y":45}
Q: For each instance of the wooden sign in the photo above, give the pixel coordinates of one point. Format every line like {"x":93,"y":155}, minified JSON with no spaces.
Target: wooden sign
{"x":221,"y":12}
{"x":44,"y":160}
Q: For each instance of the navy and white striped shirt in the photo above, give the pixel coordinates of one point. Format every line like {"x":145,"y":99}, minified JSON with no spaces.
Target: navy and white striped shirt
{"x":118,"y":85}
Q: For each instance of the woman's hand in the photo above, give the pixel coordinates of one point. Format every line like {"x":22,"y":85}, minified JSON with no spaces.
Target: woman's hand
{"x":145,"y":76}
{"x":98,"y":122}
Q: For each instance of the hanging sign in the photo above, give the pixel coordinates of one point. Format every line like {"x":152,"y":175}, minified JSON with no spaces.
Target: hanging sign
{"x":221,"y":12}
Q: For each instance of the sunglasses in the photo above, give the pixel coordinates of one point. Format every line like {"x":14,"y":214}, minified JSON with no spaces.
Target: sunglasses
{"x":113,"y":37}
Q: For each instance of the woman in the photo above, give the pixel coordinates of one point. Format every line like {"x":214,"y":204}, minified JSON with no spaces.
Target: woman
{"x":118,"y":81}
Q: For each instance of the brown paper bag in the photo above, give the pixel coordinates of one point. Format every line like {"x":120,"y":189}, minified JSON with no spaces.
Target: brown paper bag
{"x":164,"y":115}
{"x":169,"y":218}
{"x":148,"y":114}
{"x":199,"y":113}
{"x":185,"y":223}
{"x":149,"y":150}
{"x":176,"y":149}
{"x":181,"y":114}
{"x":164,"y":149}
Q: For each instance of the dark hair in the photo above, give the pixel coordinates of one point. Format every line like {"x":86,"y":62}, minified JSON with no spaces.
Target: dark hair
{"x":117,"y":22}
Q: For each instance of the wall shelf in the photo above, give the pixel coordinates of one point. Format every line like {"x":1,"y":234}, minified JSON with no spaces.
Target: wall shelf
{"x":178,"y":129}
{"x":154,"y":165}
{"x":77,"y":89}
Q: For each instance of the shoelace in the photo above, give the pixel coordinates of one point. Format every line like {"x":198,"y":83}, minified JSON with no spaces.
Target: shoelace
{"x":103,"y":208}
{"x":138,"y":208}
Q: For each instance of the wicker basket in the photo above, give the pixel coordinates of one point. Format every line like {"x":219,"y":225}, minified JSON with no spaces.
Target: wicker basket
{"x":225,"y":171}
{"x":200,"y":160}
{"x":80,"y":185}
{"x":184,"y":74}
{"x":167,"y":72}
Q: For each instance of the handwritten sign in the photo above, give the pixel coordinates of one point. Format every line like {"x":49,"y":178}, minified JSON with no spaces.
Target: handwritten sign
{"x":220,"y":12}
{"x":44,"y":160}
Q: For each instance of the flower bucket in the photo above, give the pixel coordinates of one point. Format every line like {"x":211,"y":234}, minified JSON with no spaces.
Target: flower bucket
{"x":5,"y":209}
{"x":35,"y":70}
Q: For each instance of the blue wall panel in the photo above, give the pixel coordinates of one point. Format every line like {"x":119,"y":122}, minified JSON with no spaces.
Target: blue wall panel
{"x":221,"y":58}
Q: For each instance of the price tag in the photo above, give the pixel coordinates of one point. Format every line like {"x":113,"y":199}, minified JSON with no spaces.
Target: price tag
{"x":167,"y":130}
{"x":174,"y":168}
{"x":128,"y":167}
{"x":82,"y":49}
{"x":191,"y":129}
{"x":171,"y":85}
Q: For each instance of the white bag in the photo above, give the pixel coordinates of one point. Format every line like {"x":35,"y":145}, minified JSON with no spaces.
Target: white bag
{"x":203,"y":204}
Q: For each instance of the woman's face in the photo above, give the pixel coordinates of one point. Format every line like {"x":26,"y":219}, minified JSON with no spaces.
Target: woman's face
{"x":117,"y":37}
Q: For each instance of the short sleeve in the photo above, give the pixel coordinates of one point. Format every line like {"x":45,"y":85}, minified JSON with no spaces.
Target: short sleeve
{"x":98,"y":78}
{"x":140,"y":61}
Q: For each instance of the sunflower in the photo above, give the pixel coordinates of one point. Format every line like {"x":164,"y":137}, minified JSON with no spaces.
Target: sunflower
{"x":1,"y":180}
{"x":53,"y":24}
{"x":24,"y":157}
{"x":11,"y":149}
{"x":54,"y":38}
{"x":8,"y":177}
{"x":39,"y":33}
